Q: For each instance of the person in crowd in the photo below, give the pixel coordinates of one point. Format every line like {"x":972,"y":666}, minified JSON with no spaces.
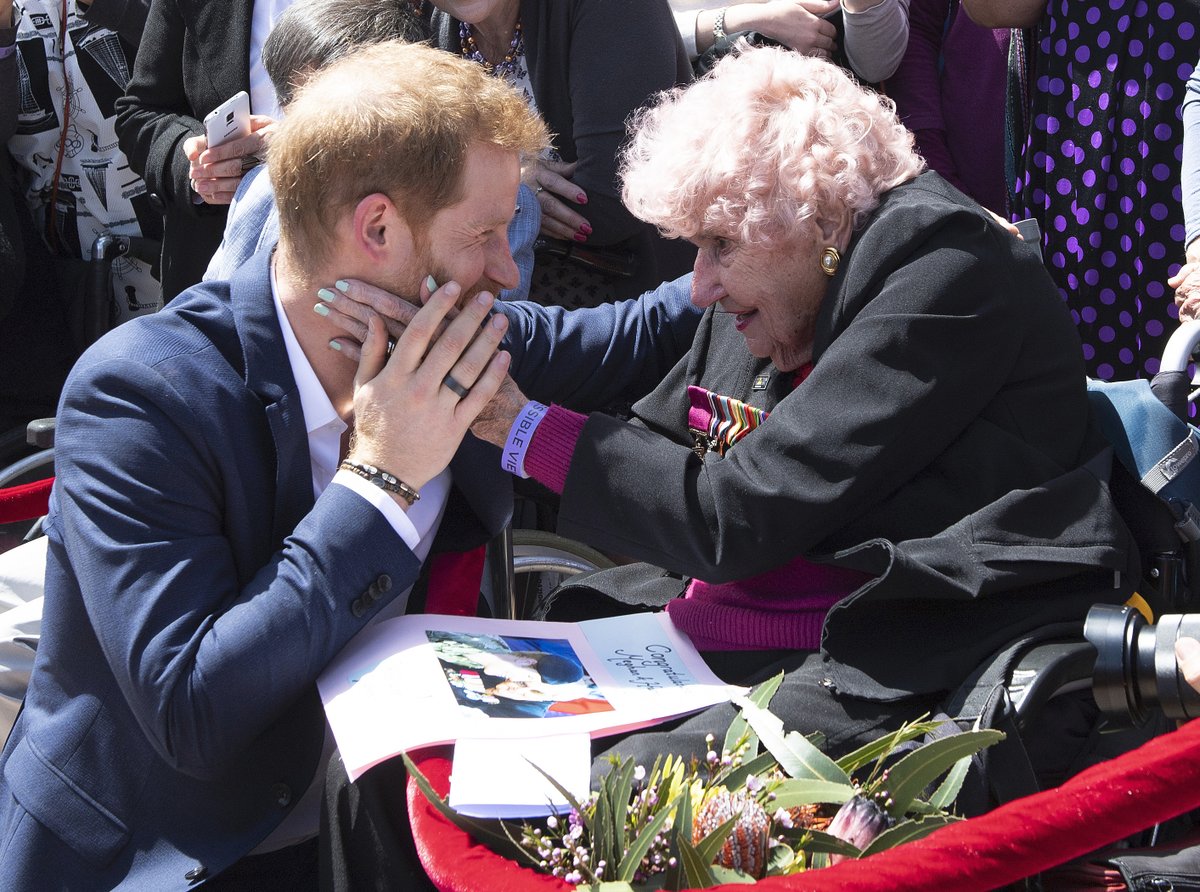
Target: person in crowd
{"x":871,"y":472}
{"x":76,"y":181}
{"x":1186,"y":281}
{"x":194,"y":56}
{"x":235,"y":502}
{"x":1100,"y":86}
{"x":585,"y":66}
{"x":308,"y":36}
{"x":69,"y":183}
{"x":874,"y":32}
{"x":950,"y":91}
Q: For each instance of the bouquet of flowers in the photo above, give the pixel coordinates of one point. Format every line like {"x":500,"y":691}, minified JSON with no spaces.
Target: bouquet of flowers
{"x":768,"y":803}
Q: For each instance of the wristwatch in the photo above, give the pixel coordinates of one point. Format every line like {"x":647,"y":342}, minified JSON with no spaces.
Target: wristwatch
{"x":719,"y":25}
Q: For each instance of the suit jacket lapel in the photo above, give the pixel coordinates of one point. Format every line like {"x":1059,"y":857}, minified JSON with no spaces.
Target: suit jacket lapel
{"x":269,"y":374}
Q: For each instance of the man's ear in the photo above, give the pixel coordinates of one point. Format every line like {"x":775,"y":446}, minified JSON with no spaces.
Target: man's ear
{"x":379,"y":229}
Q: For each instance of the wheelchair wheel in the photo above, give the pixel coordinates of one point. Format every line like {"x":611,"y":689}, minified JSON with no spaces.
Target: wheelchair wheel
{"x":543,"y":560}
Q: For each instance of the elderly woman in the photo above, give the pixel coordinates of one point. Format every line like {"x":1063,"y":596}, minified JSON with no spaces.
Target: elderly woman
{"x":874,"y":468}
{"x":876,"y":445}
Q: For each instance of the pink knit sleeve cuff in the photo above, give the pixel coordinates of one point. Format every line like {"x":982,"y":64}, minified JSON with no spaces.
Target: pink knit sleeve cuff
{"x":553,"y":444}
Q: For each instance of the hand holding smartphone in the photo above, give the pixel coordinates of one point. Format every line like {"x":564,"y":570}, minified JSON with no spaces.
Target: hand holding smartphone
{"x":229,"y":120}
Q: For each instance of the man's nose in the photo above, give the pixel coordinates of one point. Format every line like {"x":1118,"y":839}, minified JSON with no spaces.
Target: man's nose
{"x":501,"y":268}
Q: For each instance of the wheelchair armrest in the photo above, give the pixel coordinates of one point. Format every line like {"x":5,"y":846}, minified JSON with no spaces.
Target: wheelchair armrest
{"x":40,"y":433}
{"x":1045,"y":670}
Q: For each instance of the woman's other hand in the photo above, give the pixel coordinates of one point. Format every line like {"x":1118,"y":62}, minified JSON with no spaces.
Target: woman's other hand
{"x":551,"y":183}
{"x":215,"y":173}
{"x":1186,"y":283}
{"x":798,"y":24}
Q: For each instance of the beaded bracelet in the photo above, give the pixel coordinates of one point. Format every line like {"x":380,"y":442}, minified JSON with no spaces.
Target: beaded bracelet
{"x":382,"y":479}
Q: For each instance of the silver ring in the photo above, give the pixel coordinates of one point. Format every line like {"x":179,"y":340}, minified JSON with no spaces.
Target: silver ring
{"x":539,"y":190}
{"x":450,"y":382}
{"x":391,"y":345}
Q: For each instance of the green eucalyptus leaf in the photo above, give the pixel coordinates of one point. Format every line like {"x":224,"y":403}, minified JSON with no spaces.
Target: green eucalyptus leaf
{"x":615,"y":886}
{"x":819,"y":860}
{"x":795,"y":754}
{"x":736,"y":778}
{"x":792,"y":793}
{"x":916,"y":771}
{"x":729,"y":875}
{"x":780,"y":858}
{"x":948,"y":789}
{"x":494,"y":834}
{"x":603,"y":844}
{"x":564,"y":792}
{"x":907,"y":831}
{"x":760,"y":696}
{"x":817,"y":843}
{"x":681,"y":834}
{"x":638,"y":848}
{"x":697,"y":873}
{"x":619,"y":798}
{"x":852,"y":762}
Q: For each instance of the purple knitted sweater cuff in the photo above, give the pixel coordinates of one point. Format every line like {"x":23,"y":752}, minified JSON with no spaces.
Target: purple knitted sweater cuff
{"x":553,"y":444}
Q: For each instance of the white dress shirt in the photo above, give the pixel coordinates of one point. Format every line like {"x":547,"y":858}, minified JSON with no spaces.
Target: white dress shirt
{"x":416,"y":527}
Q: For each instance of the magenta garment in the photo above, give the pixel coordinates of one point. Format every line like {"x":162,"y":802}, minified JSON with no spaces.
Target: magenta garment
{"x":958,"y":118}
{"x":782,"y":608}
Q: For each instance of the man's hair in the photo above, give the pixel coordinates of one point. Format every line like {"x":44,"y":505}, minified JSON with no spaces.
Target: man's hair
{"x":313,"y":33}
{"x":393,"y":118}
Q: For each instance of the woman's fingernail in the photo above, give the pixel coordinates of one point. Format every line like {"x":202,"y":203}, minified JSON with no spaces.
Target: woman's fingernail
{"x":342,"y":285}
{"x":335,"y":345}
{"x":580,"y":237}
{"x":586,"y":228}
{"x":321,"y":310}
{"x":431,"y":284}
{"x":326,"y":295}
{"x":581,"y":198}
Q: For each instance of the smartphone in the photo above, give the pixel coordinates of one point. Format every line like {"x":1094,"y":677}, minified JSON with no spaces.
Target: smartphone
{"x":229,"y":120}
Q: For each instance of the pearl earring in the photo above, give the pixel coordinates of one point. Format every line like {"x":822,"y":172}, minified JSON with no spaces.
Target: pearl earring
{"x":829,"y":260}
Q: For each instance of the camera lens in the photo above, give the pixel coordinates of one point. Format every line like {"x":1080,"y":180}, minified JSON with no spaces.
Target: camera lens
{"x":1136,"y":670}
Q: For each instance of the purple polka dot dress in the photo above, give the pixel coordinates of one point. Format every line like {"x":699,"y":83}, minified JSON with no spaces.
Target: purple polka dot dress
{"x":1100,"y":169}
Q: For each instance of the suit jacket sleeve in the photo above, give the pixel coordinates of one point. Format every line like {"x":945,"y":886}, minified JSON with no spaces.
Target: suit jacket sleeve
{"x":209,"y":643}
{"x":589,"y":358}
{"x":928,"y":350}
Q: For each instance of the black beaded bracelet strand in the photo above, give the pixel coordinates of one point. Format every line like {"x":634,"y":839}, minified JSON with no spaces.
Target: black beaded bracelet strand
{"x":382,"y":479}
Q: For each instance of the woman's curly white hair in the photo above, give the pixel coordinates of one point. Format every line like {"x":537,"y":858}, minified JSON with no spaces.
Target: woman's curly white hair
{"x":766,"y":147}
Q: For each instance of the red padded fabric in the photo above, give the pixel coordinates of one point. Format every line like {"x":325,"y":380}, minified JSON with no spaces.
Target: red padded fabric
{"x":25,"y":502}
{"x":1095,"y":808}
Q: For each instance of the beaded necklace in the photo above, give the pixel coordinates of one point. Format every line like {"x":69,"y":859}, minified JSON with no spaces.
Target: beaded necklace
{"x":509,"y":68}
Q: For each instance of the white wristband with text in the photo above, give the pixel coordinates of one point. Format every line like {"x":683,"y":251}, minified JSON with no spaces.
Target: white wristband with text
{"x":519,"y":435}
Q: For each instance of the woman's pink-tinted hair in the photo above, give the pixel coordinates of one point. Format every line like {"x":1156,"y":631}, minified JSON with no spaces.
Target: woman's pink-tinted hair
{"x":766,"y":147}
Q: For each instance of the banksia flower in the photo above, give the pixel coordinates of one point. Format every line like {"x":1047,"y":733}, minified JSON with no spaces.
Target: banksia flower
{"x":858,"y":822}
{"x":745,"y":848}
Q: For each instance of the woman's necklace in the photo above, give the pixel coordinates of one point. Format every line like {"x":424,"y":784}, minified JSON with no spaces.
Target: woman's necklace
{"x":510,"y":68}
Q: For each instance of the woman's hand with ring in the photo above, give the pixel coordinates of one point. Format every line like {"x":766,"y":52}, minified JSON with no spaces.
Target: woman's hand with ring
{"x":216,"y":173}
{"x":554,"y":190}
